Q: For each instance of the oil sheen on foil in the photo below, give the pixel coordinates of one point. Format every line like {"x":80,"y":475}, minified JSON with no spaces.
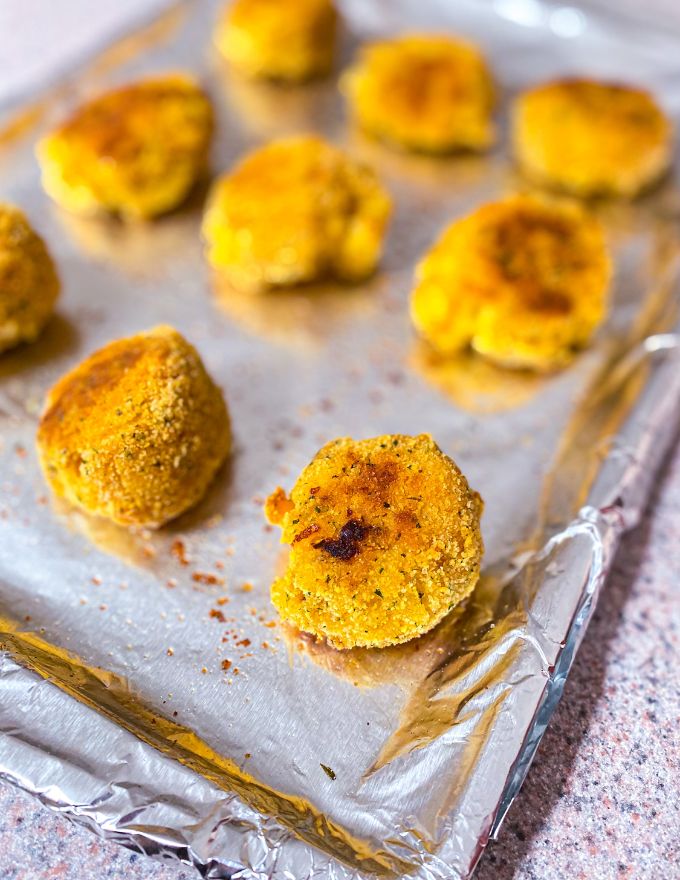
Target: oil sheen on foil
{"x":146,"y":686}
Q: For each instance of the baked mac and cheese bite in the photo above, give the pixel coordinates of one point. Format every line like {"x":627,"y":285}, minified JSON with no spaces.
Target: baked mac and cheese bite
{"x":591,"y":138}
{"x":136,"y":432}
{"x":268,"y":39}
{"x":424,"y":93}
{"x":136,"y":151}
{"x":384,"y":540}
{"x":294,"y":211}
{"x":29,"y":284}
{"x":523,"y":281}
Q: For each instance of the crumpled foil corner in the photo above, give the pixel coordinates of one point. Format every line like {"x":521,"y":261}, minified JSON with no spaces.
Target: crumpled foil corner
{"x":120,"y":701}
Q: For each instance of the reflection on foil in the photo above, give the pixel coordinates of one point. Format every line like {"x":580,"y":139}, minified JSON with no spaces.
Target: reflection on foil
{"x":132,"y":545}
{"x":140,"y":249}
{"x":143,"y":547}
{"x":301,"y":316}
{"x":409,"y":664}
{"x":114,"y":697}
{"x":272,"y":110}
{"x":59,"y":338}
{"x":430,"y":175}
{"x":428,"y":742}
{"x":474,"y":383}
{"x":591,"y":434}
{"x":467,"y":652}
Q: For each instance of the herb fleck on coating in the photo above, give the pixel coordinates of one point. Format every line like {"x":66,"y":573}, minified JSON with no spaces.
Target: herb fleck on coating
{"x":397,"y":541}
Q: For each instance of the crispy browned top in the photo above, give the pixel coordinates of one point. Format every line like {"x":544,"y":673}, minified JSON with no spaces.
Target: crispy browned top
{"x":137,"y":430}
{"x":171,"y":111}
{"x":384,"y":537}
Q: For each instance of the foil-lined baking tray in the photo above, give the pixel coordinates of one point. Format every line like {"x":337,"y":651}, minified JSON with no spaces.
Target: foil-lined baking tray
{"x":146,"y":688}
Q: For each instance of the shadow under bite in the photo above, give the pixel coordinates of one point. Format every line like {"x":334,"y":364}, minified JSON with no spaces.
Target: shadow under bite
{"x":59,"y":337}
{"x":441,"y":672}
{"x":473,"y":383}
{"x":139,"y":249}
{"x":150,"y":548}
{"x":302,"y":317}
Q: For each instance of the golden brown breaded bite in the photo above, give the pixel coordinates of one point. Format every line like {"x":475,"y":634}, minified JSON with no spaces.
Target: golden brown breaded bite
{"x":426,"y":93}
{"x":292,"y":41}
{"x":29,"y":285}
{"x":137,"y":431}
{"x":385,"y":540}
{"x":294,"y":211}
{"x":136,"y":151}
{"x":591,"y":138}
{"x":523,"y":281}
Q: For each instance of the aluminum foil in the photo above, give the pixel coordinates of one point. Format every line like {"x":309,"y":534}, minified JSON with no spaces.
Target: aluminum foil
{"x":146,"y":688}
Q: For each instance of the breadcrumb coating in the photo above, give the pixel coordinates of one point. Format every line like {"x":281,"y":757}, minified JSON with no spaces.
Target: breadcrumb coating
{"x":425,"y":93}
{"x":29,"y":285}
{"x":591,"y":138}
{"x":524,"y":281}
{"x":294,"y":211}
{"x":136,"y":432}
{"x":291,"y":41}
{"x":385,"y":540}
{"x":136,"y":151}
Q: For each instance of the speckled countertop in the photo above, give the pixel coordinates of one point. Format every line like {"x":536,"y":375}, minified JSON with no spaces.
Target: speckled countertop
{"x":602,"y":799}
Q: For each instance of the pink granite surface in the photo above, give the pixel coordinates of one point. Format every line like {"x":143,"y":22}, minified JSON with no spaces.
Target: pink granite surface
{"x":602,"y":799}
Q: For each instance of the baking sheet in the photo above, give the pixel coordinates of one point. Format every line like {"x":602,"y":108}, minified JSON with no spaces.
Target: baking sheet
{"x":116,"y":705}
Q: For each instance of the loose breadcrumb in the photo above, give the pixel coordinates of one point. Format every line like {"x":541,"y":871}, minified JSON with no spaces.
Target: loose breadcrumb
{"x":426,"y":93}
{"x":591,"y":138}
{"x":385,"y":540}
{"x":136,"y":151}
{"x":29,"y":285}
{"x":294,"y":211}
{"x":523,"y":281}
{"x":136,"y":432}
{"x":292,"y":41}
